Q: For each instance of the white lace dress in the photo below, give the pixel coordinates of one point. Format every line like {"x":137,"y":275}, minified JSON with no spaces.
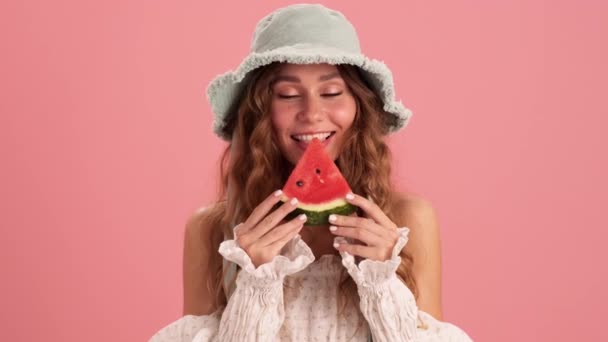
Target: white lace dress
{"x":261,"y":309}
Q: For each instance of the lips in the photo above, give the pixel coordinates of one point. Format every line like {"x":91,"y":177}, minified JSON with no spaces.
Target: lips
{"x":307,"y":137}
{"x":302,"y":144}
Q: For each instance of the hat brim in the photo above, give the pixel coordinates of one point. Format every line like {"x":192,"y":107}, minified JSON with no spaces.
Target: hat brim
{"x":224,"y":89}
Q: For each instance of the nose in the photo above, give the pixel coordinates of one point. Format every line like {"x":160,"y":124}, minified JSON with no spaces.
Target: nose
{"x":312,"y":110}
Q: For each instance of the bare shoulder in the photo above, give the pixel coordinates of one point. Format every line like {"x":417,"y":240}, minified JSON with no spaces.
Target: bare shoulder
{"x":195,"y":224}
{"x":198,"y":224}
{"x":415,"y":210}
{"x":420,"y":216}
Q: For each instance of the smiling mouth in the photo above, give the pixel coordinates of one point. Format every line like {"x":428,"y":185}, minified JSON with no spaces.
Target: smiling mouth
{"x":306,"y":138}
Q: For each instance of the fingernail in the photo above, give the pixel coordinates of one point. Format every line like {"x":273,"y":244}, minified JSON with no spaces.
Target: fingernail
{"x":336,"y":245}
{"x":332,"y":218}
{"x":302,"y":217}
{"x":278,"y":192}
{"x":350,"y":196}
{"x":294,"y":201}
{"x":333,"y":228}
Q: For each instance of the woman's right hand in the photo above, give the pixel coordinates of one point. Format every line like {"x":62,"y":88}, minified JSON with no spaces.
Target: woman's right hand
{"x":263,"y":235}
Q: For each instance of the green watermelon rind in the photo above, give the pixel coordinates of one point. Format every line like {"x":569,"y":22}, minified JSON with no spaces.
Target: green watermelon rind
{"x":320,"y":218}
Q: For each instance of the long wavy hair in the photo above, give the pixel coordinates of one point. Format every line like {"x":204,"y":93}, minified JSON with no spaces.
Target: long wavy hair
{"x":251,"y":157}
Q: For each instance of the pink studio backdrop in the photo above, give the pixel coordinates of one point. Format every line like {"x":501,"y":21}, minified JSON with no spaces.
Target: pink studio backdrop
{"x":107,"y":149}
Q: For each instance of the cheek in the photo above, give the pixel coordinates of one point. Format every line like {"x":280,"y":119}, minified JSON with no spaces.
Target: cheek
{"x":280,"y":123}
{"x":344,"y":112}
{"x":274,"y":116}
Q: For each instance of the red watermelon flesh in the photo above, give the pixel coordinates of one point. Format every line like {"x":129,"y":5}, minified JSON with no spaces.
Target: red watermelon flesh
{"x":318,"y":185}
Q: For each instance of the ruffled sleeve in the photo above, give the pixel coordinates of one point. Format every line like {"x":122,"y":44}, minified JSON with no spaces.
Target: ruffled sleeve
{"x":190,"y":328}
{"x":255,"y":310}
{"x":388,"y":305}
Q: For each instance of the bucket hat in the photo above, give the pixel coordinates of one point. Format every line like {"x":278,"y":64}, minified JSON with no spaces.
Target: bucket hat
{"x":303,"y":34}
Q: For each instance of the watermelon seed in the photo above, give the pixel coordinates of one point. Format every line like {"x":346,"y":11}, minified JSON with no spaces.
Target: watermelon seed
{"x":299,"y":183}
{"x":318,"y":171}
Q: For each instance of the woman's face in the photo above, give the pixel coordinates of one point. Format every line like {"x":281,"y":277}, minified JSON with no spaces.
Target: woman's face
{"x":310,"y":100}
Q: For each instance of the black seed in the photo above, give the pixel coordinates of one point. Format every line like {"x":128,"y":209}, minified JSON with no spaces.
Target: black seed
{"x":318,"y":171}
{"x":299,"y":183}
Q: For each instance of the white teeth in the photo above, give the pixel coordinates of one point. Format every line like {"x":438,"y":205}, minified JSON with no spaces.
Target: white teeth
{"x":309,"y":137}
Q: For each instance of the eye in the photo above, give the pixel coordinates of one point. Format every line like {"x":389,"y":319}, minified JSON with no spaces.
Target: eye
{"x":332,"y":94}
{"x":287,"y":96}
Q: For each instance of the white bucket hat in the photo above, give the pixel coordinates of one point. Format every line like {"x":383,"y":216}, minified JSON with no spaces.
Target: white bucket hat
{"x":303,"y":34}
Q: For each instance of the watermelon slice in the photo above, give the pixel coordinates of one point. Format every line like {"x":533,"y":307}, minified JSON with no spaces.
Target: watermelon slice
{"x":319,"y":187}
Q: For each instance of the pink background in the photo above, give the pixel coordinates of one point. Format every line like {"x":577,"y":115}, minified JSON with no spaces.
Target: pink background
{"x":106,"y":150}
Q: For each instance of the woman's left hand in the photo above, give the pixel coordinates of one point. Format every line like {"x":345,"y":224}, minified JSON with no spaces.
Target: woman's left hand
{"x":375,"y":230}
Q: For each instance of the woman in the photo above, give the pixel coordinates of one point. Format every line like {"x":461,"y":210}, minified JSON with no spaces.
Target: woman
{"x":252,"y":275}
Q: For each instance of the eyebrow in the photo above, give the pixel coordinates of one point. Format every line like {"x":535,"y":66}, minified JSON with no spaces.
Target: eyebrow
{"x":289,"y":78}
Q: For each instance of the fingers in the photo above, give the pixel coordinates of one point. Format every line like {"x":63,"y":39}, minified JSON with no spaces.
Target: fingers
{"x":378,"y":240}
{"x":261,"y":211}
{"x":358,"y":250}
{"x":253,"y":233}
{"x":372,"y":210}
{"x":364,"y":235}
{"x":283,"y":232}
{"x":272,"y":220}
{"x":281,"y":242}
{"x":361,"y":223}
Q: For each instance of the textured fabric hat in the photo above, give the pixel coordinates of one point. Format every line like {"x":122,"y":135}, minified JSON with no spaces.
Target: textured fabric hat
{"x":303,"y":34}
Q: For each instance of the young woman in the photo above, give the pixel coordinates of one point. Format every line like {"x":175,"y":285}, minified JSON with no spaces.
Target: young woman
{"x":252,"y":275}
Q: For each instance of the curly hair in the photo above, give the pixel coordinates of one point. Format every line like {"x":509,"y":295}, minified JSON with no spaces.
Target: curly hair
{"x":365,"y":162}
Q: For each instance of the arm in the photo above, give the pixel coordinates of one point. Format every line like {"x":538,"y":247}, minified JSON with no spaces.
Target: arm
{"x":199,"y":265}
{"x":200,"y":317}
{"x":387,"y":304}
{"x":425,"y":248}
{"x":255,"y":310}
